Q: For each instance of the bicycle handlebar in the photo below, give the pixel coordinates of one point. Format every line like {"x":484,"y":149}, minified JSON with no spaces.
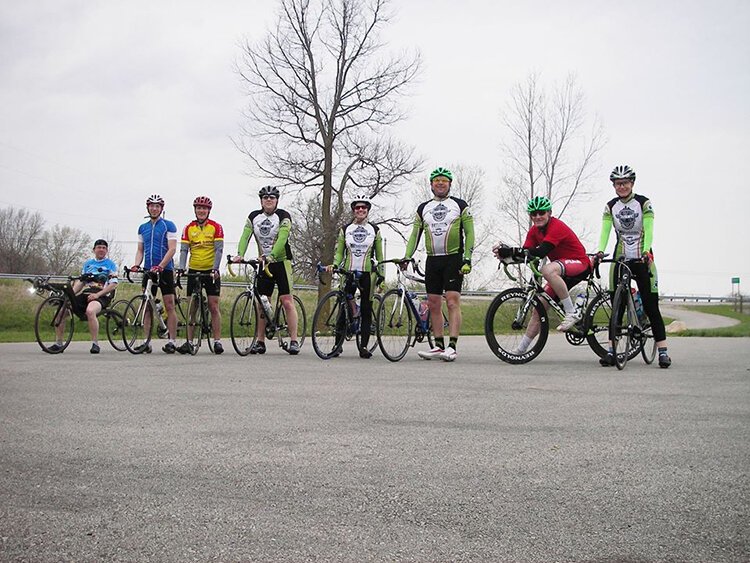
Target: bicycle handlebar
{"x":250,"y":262}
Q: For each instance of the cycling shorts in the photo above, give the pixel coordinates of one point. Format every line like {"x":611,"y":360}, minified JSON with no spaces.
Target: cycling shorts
{"x":166,"y":283}
{"x":443,"y":273}
{"x":282,"y":277}
{"x":573,"y":272}
{"x":82,"y":302}
{"x":213,"y":287}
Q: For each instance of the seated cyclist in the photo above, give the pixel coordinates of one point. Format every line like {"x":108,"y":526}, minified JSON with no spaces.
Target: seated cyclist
{"x":550,"y":238}
{"x":357,"y":244}
{"x":271,"y":227}
{"x":204,"y":239}
{"x":94,"y":292}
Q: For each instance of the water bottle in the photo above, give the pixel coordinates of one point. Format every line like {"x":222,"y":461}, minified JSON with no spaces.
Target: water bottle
{"x":424,"y":312}
{"x":356,"y":319}
{"x":159,"y":308}
{"x":580,"y":303}
{"x":266,"y":304}
{"x":638,"y":303}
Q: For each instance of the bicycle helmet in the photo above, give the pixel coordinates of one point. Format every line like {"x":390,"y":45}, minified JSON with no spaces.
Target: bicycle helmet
{"x":269,"y":190}
{"x":155,"y":198}
{"x":204,"y":201}
{"x":362,"y":199}
{"x":539,"y":203}
{"x":440,"y":171}
{"x":622,"y":172}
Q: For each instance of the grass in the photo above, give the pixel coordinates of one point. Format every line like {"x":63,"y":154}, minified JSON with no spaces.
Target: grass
{"x":741,"y":329}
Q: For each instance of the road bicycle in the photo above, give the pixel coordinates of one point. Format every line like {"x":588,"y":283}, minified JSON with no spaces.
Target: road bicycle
{"x":629,"y":328}
{"x":336,"y":317}
{"x":403,"y":319}
{"x":243,"y":324}
{"x":198,"y":317}
{"x":510,"y":313}
{"x":60,"y":308}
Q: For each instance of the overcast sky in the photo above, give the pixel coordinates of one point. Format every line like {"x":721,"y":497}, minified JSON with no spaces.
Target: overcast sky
{"x":103,"y":103}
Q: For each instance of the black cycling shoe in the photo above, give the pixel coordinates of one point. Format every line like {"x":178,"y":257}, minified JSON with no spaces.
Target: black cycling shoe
{"x":143,"y":348}
{"x":94,"y":348}
{"x":169,"y":348}
{"x":185,"y":348}
{"x":55,"y":349}
{"x":365,"y":353}
{"x":664,"y":361}
{"x":608,"y":360}
{"x":258,"y":348}
{"x":218,"y":348}
{"x":293,"y":348}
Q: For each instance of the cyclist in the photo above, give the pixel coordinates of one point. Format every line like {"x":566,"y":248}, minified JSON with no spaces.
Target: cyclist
{"x":271,"y":227}
{"x":551,"y":238}
{"x":357,"y":245}
{"x":157,"y":244}
{"x":93,"y":293}
{"x":632,"y":216}
{"x":449,"y":242}
{"x":204,"y":239}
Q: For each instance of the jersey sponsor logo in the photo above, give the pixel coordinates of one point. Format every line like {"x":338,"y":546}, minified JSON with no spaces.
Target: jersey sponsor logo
{"x":439,"y":212}
{"x":265,"y":228}
{"x":627,"y":217}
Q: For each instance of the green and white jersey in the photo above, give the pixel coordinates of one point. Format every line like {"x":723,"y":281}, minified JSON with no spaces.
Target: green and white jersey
{"x":357,"y":245}
{"x":271,"y":232}
{"x":632,"y":219}
{"x":448,"y":227}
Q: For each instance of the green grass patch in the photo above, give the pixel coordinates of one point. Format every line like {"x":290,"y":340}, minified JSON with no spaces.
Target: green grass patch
{"x":726,"y":310}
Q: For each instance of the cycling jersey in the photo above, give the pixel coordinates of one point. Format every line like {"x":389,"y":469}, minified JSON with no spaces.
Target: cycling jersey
{"x":566,"y":245}
{"x":101,"y":270}
{"x":448,"y":225}
{"x":271,"y":232}
{"x":633,"y":219}
{"x":357,"y":245}
{"x":205,"y":243}
{"x":155,"y":236}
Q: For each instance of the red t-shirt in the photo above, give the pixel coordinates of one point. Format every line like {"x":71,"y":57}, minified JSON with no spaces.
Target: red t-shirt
{"x":567,"y":244}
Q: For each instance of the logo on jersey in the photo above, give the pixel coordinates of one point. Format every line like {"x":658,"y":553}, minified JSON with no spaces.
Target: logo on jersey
{"x":627,"y":218}
{"x":440,"y":212}
{"x":359,"y":235}
{"x":265,"y":228}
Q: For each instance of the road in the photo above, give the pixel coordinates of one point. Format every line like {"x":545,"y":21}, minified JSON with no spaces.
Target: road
{"x":279,"y":458}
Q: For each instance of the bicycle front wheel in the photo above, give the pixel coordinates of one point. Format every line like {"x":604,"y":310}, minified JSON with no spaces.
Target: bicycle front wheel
{"x":115,"y":315}
{"x":53,"y":324}
{"x":207,"y":324}
{"x":377,"y":299}
{"x":395,"y":325}
{"x":282,"y":325}
{"x":329,"y":325}
{"x":195,"y":322}
{"x":512,"y":315}
{"x":621,"y":324}
{"x":138,"y":325}
{"x":648,"y":348}
{"x":243,"y":323}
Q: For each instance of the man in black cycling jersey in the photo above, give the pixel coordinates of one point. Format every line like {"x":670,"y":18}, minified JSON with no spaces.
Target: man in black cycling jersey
{"x":271,"y":227}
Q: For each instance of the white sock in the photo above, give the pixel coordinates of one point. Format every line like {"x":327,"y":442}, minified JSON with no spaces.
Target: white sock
{"x":567,"y":304}
{"x":524,"y":344}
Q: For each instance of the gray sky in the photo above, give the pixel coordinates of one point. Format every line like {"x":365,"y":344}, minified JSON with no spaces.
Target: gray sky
{"x":103,"y":103}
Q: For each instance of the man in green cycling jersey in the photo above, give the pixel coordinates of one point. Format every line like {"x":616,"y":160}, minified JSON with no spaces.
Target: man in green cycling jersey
{"x":449,"y":241}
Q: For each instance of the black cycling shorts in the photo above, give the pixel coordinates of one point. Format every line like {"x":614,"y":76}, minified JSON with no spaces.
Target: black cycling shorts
{"x":213,"y":287}
{"x":443,"y":273}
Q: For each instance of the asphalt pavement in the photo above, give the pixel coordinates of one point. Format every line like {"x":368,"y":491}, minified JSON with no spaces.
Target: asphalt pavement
{"x":278,"y":458}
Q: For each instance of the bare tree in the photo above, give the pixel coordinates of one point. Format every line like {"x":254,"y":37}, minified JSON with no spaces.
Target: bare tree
{"x":546,"y":152}
{"x":64,"y":249}
{"x":20,"y":241}
{"x":320,"y":101}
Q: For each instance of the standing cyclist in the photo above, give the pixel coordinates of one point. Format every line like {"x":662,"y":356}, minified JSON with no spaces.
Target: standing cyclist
{"x":632,"y":216}
{"x":157,"y":244}
{"x":550,"y":238}
{"x":357,"y":245}
{"x":204,"y":239}
{"x":449,"y":242}
{"x":271,"y":227}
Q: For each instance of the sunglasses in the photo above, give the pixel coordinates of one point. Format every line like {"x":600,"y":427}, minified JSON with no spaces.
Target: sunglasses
{"x":269,"y":197}
{"x":537,"y":213}
{"x":356,"y":207}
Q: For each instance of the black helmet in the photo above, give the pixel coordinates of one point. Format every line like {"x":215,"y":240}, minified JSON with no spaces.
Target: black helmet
{"x":269,"y":190}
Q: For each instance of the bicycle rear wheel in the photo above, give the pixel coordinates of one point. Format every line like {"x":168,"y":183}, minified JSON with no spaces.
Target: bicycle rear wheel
{"x":507,"y":321}
{"x":395,"y":325}
{"x":54,"y":316}
{"x":115,"y":315}
{"x":329,"y":325}
{"x":208,"y":329}
{"x":622,"y":322}
{"x":377,"y":299}
{"x":282,"y":326}
{"x":136,"y":334}
{"x":195,"y":322}
{"x":243,"y":323}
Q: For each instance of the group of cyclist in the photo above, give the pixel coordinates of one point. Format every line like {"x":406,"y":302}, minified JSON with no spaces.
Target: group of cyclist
{"x":448,"y":228}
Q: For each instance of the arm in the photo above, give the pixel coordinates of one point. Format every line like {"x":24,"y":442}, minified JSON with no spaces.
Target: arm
{"x":184,"y":247}
{"x":247,"y":232}
{"x":648,"y":231}
{"x":278,"y":252}
{"x":171,"y":249}
{"x":379,"y":255}
{"x":606,"y":228}
{"x":541,"y":250}
{"x":468,"y":224}
{"x":416,"y":231}
{"x":338,"y":253}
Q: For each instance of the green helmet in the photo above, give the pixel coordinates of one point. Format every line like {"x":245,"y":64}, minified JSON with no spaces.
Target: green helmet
{"x":440,"y":171}
{"x":539,"y":203}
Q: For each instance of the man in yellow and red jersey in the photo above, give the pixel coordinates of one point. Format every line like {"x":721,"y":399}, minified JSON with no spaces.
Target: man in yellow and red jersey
{"x":204,"y":239}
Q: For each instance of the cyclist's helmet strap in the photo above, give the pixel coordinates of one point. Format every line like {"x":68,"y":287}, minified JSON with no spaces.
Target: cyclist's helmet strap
{"x":622,"y":172}
{"x":539,"y":203}
{"x":440,"y":171}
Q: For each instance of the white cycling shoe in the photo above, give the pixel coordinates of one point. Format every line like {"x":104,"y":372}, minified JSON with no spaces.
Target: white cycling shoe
{"x":449,"y":355}
{"x":431,"y":353}
{"x":568,"y":322}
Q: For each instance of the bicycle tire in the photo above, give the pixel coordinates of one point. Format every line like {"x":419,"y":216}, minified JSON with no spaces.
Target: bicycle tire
{"x":598,"y":317}
{"x":648,"y":346}
{"x":373,"y":342}
{"x":504,"y":326}
{"x":243,"y":323}
{"x":396,"y":325}
{"x":195,"y":320}
{"x":208,"y":329}
{"x":621,"y":324}
{"x":47,"y":319}
{"x":282,"y":327}
{"x":329,"y":325}
{"x":134,"y":326}
{"x":115,"y":315}
{"x":430,"y":332}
